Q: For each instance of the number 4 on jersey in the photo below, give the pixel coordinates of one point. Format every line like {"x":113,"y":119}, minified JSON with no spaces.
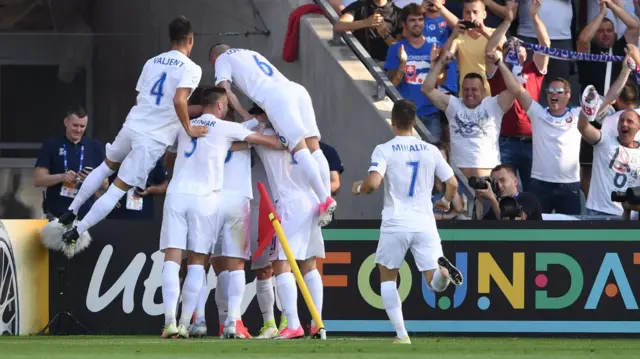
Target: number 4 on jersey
{"x":157,"y":89}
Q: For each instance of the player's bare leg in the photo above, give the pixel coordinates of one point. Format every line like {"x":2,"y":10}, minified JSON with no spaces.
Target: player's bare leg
{"x":266,"y":301}
{"x":392,"y":303}
{"x":191,"y":290}
{"x":312,"y":170}
{"x":288,"y":294}
{"x":199,"y":326}
{"x":314,"y":283}
{"x":171,"y":290}
{"x":233,"y":327}
{"x":100,"y":209}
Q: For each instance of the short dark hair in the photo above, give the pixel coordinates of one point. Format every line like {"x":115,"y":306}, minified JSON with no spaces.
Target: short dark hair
{"x":403,"y":114}
{"x":606,"y":19}
{"x":179,"y":29}
{"x":629,"y":94}
{"x":411,"y":9}
{"x":77,"y":110}
{"x":565,"y":83}
{"x":473,"y":75}
{"x":504,"y":166}
{"x":212,"y":95}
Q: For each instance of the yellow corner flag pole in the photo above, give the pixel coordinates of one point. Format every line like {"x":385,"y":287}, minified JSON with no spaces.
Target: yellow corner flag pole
{"x":296,"y":272}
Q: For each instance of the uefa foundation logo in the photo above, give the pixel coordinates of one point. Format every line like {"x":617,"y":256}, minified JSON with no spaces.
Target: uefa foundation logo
{"x":9,"y":304}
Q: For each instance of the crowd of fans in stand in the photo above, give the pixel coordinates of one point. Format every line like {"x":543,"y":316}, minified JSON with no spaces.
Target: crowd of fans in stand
{"x":503,"y":112}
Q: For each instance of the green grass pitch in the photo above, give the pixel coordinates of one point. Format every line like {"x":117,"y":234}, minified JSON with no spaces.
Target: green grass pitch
{"x":121,"y":347}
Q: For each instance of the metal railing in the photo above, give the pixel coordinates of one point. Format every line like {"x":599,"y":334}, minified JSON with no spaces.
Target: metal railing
{"x":385,"y":87}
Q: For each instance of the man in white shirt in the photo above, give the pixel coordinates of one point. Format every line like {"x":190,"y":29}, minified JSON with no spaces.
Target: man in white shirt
{"x":555,"y":173}
{"x":190,"y":210}
{"x":296,"y":206}
{"x":164,"y":87}
{"x":290,"y":107}
{"x":474,"y":120}
{"x":408,"y":167}
{"x":616,"y":164}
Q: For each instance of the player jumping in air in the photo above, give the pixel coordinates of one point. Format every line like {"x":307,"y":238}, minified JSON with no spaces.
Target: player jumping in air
{"x":289,"y":107}
{"x":164,"y":87}
{"x":190,"y":209}
{"x":408,"y":166}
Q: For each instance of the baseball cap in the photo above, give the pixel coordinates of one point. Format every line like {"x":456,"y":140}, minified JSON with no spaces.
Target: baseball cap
{"x":256,"y":110}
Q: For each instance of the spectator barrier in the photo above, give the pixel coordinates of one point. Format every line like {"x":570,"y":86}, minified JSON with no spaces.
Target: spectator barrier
{"x":384,"y":86}
{"x":24,"y":278}
{"x":543,"y":278}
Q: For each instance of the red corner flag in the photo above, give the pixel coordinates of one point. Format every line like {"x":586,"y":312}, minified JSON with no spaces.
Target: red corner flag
{"x":265,"y":228}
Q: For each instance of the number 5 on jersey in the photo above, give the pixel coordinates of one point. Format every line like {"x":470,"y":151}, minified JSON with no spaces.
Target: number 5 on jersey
{"x":414,"y":176}
{"x":194,"y":143}
{"x":157,"y":89}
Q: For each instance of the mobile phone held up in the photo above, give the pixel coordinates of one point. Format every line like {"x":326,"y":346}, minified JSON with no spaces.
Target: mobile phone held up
{"x":468,"y":24}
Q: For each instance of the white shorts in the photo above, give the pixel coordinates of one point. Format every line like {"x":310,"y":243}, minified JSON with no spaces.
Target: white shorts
{"x":425,"y":247}
{"x":137,"y":155}
{"x":232,"y":227}
{"x":299,"y":219}
{"x":188,"y":222}
{"x":290,"y":111}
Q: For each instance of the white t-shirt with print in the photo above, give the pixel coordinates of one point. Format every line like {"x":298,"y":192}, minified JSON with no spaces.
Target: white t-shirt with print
{"x":615,"y":168}
{"x":556,"y":145}
{"x":475,"y":133}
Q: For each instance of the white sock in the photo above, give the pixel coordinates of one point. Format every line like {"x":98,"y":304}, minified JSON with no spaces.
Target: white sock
{"x":439,"y":282}
{"x":170,"y":290}
{"x":289,"y":298}
{"x":314,"y":284}
{"x":101,"y":208}
{"x":191,"y":292}
{"x":221,"y":296}
{"x":312,"y":172}
{"x":202,"y":301}
{"x":90,"y":186}
{"x":323,"y":165}
{"x":237,"y":284}
{"x":393,"y":306}
{"x":266,"y":299}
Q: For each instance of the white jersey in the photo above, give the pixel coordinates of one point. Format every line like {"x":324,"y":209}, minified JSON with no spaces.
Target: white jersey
{"x":615,"y":168}
{"x":556,"y":145}
{"x":154,"y":114}
{"x":199,"y":167}
{"x":237,"y":172}
{"x":408,"y":166}
{"x":279,"y":166}
{"x":251,"y":72}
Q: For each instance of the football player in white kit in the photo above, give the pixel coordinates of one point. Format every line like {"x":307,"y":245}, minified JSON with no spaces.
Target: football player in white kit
{"x":233,"y":246}
{"x":191,"y":205}
{"x":408,"y":166}
{"x":164,"y":87}
{"x":289,"y":106}
{"x":296,"y":206}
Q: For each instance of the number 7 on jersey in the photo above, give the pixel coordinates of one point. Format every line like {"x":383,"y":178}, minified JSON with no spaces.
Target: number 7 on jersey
{"x":414,"y":175}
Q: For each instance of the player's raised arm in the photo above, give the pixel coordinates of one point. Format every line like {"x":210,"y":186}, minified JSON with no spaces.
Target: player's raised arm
{"x":439,"y":99}
{"x":377,"y":169}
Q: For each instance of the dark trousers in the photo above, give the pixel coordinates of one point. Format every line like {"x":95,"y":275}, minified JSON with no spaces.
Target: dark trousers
{"x":518,"y":153}
{"x":562,"y":197}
